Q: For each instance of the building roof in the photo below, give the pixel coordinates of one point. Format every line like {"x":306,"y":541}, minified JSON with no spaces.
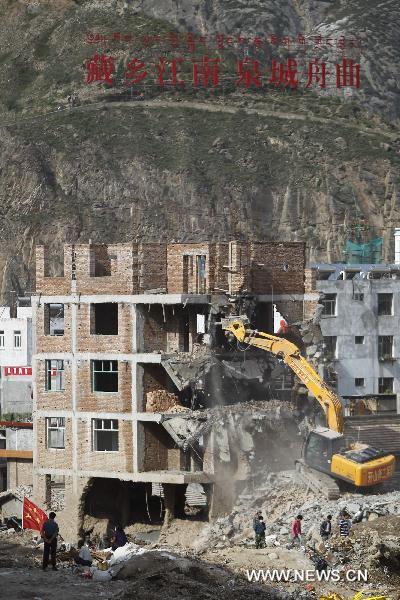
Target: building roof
{"x":360,"y":270}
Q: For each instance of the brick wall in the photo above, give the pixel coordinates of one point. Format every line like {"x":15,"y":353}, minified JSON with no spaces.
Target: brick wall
{"x":310,"y":280}
{"x":154,"y":327}
{"x":118,"y":462}
{"x":52,"y":343}
{"x":219,"y":260}
{"x":255,"y":266}
{"x":20,"y":472}
{"x":87,"y":342}
{"x":160,"y":453}
{"x":291,"y":310}
{"x":122,"y":258}
{"x":282,"y":267}
{"x":53,"y":400}
{"x":89,"y":401}
{"x":51,"y":458}
{"x":152,"y":259}
{"x":175,"y":267}
{"x":50,"y":285}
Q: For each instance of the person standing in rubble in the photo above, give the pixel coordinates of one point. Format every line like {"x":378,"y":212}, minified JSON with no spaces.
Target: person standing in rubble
{"x":296,"y":531}
{"x":259,"y":530}
{"x":49,"y":535}
{"x":344,"y":525}
{"x":119,"y":538}
{"x":256,"y":517}
{"x":325,"y":529}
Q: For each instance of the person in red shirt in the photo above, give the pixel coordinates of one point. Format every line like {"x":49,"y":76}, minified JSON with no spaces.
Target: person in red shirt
{"x":283,"y":328}
{"x":296,"y":531}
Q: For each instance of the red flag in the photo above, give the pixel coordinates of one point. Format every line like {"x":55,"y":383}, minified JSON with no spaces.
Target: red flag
{"x":33,"y":517}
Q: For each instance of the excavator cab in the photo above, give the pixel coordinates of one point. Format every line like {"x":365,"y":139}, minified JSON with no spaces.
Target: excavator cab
{"x":319,"y":448}
{"x":325,"y":451}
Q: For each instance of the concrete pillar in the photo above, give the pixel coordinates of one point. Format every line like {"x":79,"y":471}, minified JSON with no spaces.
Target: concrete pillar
{"x":169,"y":503}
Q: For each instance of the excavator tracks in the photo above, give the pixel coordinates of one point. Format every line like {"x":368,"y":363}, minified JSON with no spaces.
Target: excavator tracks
{"x":318,"y":482}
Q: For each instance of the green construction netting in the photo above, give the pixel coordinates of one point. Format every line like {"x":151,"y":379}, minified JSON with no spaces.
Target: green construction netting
{"x":368,"y":252}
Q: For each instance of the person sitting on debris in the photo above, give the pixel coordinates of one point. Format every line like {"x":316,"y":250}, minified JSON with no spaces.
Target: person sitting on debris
{"x":361,"y":515}
{"x":84,"y":558}
{"x":296,"y":531}
{"x":259,"y":529}
{"x":49,"y":535}
{"x":344,"y":524}
{"x":119,"y":539}
{"x":325,"y":529}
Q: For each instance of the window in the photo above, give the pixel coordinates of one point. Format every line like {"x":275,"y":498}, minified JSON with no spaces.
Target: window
{"x":55,"y":432}
{"x":104,"y":319}
{"x":385,"y":304}
{"x":385,"y":347}
{"x":359,"y":339}
{"x":200,"y":274}
{"x":329,"y":305}
{"x":105,"y":435}
{"x":358,"y":297}
{"x":54,"y":319}
{"x":54,"y":375}
{"x":385,"y":385}
{"x":17,"y":340}
{"x":104,"y":376}
{"x":330,"y":343}
{"x":359,"y":382}
{"x":2,"y":340}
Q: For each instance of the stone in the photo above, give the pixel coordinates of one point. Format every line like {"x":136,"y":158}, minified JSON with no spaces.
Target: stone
{"x":273,"y":556}
{"x":340,"y":143}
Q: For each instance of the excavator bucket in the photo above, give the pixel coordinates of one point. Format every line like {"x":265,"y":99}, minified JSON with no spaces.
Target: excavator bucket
{"x":235,"y":325}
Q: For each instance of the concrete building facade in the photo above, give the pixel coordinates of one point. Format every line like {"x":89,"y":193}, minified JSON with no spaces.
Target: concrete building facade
{"x":15,"y":396}
{"x":16,"y":351}
{"x":102,"y":328}
{"x":360,"y":322}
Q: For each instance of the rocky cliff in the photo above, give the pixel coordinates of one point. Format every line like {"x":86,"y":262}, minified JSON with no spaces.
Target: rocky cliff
{"x":188,"y":166}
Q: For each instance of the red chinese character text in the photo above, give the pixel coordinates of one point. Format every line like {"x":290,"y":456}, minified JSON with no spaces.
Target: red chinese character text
{"x":205,"y":72}
{"x":135,"y":72}
{"x":316,"y":73}
{"x":285,"y":75}
{"x":347,"y":74}
{"x":249,"y":73}
{"x":100,"y":68}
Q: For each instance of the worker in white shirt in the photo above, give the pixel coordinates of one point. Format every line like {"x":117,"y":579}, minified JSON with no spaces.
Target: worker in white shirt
{"x":84,"y":558}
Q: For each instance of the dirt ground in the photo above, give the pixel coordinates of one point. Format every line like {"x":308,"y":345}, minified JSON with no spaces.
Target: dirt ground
{"x":22,"y":578}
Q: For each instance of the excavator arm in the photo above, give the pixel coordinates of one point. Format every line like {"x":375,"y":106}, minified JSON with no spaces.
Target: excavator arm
{"x":290,"y":354}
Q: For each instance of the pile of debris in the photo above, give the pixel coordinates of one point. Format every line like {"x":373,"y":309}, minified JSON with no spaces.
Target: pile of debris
{"x":280,"y":498}
{"x":160,"y":401}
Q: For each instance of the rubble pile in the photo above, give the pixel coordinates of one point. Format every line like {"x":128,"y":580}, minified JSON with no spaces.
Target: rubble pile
{"x":280,"y":498}
{"x":161,"y":401}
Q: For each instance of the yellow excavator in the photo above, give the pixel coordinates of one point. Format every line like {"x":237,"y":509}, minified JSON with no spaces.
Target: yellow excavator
{"x":326,"y":456}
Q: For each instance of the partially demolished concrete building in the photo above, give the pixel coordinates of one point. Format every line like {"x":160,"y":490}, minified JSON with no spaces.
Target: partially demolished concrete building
{"x":124,"y":336}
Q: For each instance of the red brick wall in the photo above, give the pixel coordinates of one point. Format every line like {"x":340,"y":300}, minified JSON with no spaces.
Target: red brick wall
{"x":89,"y":401}
{"x":160,"y":452}
{"x":53,"y":458}
{"x":152,"y":266}
{"x":87,"y":342}
{"x":53,"y":400}
{"x":118,"y":462}
{"x":52,"y":343}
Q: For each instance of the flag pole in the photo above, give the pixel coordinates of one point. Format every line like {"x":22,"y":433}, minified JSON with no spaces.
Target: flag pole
{"x":23,"y":502}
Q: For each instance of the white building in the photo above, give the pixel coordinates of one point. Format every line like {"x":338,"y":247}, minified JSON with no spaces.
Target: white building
{"x":15,"y":396}
{"x":15,"y":337}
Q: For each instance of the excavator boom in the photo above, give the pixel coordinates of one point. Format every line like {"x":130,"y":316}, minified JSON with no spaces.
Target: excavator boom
{"x":325,"y":458}
{"x":290,"y":354}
